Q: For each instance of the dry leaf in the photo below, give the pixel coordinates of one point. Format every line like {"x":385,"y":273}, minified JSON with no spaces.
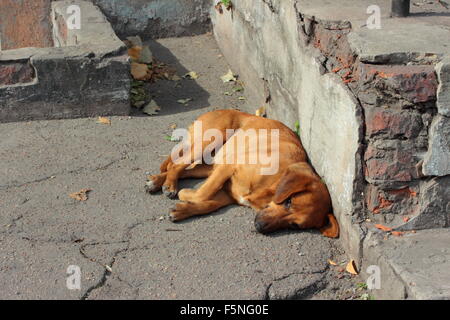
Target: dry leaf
{"x":351,"y":267}
{"x":405,"y":219}
{"x":140,"y":71}
{"x":261,"y":112}
{"x":383,"y":228}
{"x":135,"y":53}
{"x":184,"y":101}
{"x":332,"y":262}
{"x":80,"y":195}
{"x":229,"y":77}
{"x":175,"y":78}
{"x":397,"y":233}
{"x":151,"y":108}
{"x":104,"y":120}
{"x":191,"y":75}
{"x":173,"y":126}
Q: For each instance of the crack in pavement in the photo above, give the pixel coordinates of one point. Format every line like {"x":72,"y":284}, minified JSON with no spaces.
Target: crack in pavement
{"x":108,"y":268}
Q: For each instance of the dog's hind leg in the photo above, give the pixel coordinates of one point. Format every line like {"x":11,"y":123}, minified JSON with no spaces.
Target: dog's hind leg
{"x":215,"y":182}
{"x":184,"y":210}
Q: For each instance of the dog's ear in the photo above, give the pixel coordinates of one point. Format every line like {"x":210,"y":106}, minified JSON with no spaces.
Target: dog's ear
{"x":331,"y":230}
{"x":290,"y":183}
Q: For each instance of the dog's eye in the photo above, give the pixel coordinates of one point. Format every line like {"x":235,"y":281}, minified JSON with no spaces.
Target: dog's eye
{"x":287,"y":203}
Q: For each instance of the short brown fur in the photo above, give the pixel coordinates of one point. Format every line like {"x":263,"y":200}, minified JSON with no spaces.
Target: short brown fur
{"x":294,"y":196}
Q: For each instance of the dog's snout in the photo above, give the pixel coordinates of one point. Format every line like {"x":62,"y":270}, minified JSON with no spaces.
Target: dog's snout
{"x":260,"y":225}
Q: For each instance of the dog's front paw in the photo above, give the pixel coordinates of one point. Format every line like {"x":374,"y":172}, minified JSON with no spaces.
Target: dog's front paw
{"x":151,"y":187}
{"x":178,"y":213}
{"x":170,"y":192}
{"x":154,"y":183}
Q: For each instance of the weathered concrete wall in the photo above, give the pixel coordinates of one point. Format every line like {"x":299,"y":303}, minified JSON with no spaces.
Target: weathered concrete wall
{"x":372,"y":113}
{"x":89,"y":78}
{"x":25,"y":23}
{"x":157,"y":18}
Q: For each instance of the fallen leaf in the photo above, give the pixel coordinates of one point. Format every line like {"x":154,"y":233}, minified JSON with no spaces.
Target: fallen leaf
{"x":175,"y":78}
{"x":108,"y":268}
{"x":351,"y":267}
{"x":104,"y":120}
{"x":241,"y":98}
{"x":229,"y":77}
{"x":227,"y":93}
{"x":146,"y":55}
{"x":191,"y":75}
{"x":173,"y":126}
{"x":184,"y":101}
{"x":238,"y":88}
{"x":80,"y":195}
{"x":332,"y":262}
{"x":397,"y":233}
{"x":383,"y":228}
{"x":135,"y":53}
{"x":140,"y":71}
{"x":151,"y":108}
{"x":261,"y":112}
{"x":405,"y":219}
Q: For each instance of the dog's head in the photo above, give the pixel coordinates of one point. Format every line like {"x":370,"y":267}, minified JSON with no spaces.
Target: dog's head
{"x":301,"y":201}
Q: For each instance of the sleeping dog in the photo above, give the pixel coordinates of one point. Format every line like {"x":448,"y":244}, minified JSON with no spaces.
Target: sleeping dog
{"x":287,"y":194}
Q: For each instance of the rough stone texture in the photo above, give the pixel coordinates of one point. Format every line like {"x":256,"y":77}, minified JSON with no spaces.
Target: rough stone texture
{"x":443,"y":94}
{"x":433,"y":210}
{"x":366,"y":106}
{"x":25,"y":23}
{"x":67,"y":82}
{"x":261,"y":42}
{"x":157,"y":18}
{"x":437,"y":159}
{"x":95,"y":28}
{"x":15,"y":73}
{"x":414,"y":266}
{"x":430,"y":42}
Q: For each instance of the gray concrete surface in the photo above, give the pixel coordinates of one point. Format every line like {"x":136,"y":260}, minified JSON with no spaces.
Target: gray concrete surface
{"x":125,"y":230}
{"x":414,"y":266}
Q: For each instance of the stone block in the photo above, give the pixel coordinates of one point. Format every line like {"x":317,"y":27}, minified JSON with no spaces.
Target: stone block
{"x":437,"y":158}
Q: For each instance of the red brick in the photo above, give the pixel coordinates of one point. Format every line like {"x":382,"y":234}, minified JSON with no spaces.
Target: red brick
{"x":416,"y":83}
{"x":16,"y":72}
{"x":25,"y":23}
{"x":393,"y":123}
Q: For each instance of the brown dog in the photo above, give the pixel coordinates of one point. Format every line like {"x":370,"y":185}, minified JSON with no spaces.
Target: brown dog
{"x":292,"y":196}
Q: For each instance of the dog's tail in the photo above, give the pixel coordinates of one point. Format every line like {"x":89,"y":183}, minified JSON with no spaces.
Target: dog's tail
{"x":331,"y":230}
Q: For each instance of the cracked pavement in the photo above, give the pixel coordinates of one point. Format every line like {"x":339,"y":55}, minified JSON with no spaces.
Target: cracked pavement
{"x":121,"y":237}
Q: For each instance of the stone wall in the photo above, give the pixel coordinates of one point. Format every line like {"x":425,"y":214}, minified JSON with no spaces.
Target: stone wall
{"x":25,"y":23}
{"x":87,"y":75}
{"x":373,"y":122}
{"x":156,"y":18}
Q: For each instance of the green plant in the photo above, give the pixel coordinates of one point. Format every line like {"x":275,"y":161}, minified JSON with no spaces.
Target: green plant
{"x":361,"y":285}
{"x":297,"y":128}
